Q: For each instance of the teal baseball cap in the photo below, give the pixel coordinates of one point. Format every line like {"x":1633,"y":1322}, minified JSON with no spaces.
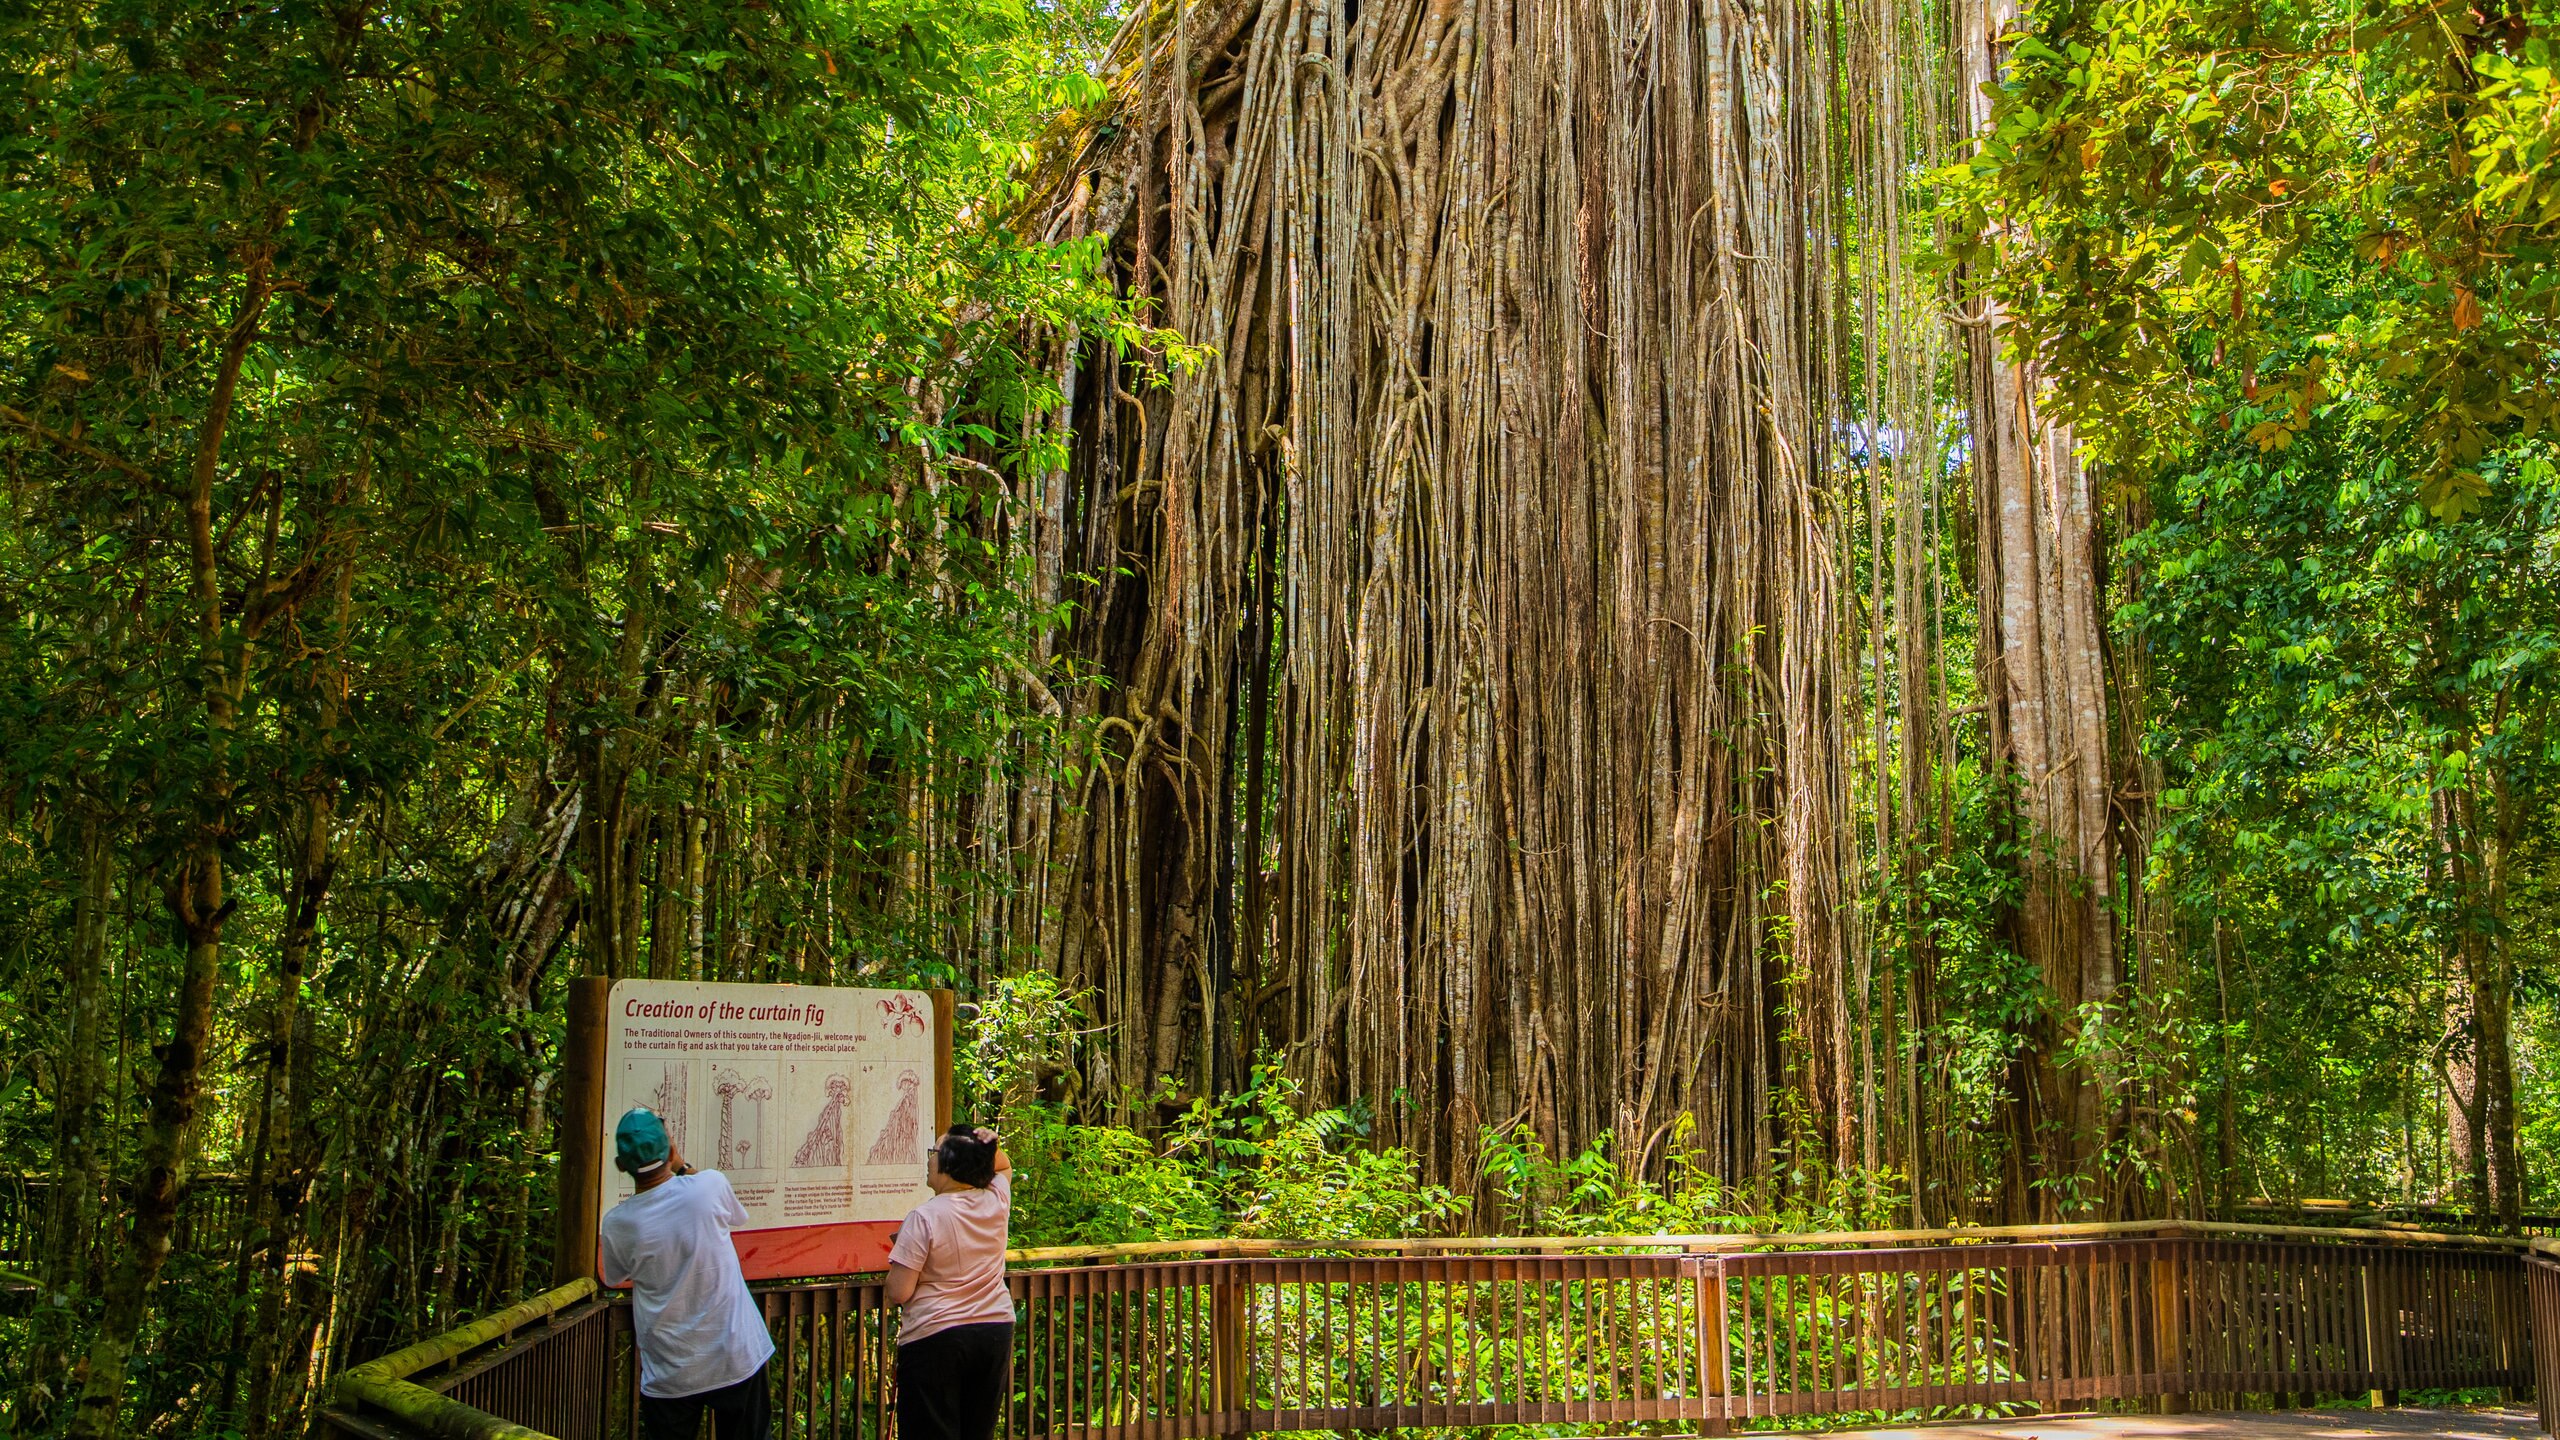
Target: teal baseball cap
{"x":639,"y":1141}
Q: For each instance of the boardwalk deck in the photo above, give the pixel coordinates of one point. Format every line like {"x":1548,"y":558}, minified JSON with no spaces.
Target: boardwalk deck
{"x":2505,"y":1422}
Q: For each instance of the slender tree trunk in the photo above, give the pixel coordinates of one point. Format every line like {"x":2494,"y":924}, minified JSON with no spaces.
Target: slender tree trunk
{"x":607,"y":713}
{"x":2227,"y":1128}
{"x":2466,"y":1110}
{"x":197,"y":903}
{"x":2478,"y":865}
{"x":291,"y":1304}
{"x":2503,"y":1179}
{"x":283,"y":1156}
{"x":279,"y":1178}
{"x":446,"y":1272}
{"x":80,"y":1132}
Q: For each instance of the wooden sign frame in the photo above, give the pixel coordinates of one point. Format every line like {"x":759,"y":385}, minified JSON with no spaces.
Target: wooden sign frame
{"x":798,"y":1252}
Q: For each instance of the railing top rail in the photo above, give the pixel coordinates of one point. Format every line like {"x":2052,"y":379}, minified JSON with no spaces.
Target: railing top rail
{"x":1733,"y":1242}
{"x":2335,"y":1205}
{"x":209,"y":1179}
{"x":384,"y":1384}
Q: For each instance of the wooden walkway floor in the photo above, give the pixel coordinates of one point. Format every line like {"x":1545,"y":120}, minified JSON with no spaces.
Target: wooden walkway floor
{"x":2404,"y":1423}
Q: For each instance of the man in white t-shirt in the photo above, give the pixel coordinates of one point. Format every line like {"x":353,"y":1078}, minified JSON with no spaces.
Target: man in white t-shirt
{"x":703,"y":1343}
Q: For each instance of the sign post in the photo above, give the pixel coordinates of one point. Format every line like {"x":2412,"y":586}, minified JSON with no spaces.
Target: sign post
{"x":583,"y":1131}
{"x":818,"y":1103}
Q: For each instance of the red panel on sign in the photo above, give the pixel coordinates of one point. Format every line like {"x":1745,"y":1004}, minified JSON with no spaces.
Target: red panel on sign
{"x":800,"y":1251}
{"x":805,"y":1252}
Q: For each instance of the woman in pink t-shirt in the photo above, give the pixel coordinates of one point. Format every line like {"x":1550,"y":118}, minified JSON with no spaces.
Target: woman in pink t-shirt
{"x":946,"y":1268}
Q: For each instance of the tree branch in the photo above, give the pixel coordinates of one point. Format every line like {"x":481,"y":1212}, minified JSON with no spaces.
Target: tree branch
{"x":85,"y":450}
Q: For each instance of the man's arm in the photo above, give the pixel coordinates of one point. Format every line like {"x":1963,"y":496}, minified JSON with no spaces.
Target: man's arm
{"x":615,"y":1273}
{"x":733,"y":1213}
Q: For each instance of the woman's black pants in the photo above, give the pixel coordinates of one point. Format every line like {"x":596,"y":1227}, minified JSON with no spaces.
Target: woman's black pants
{"x":952,"y":1385}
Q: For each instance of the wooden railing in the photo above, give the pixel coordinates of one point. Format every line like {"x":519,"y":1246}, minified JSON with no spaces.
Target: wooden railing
{"x":535,"y":1369}
{"x":23,"y":1203}
{"x":2384,"y":1214}
{"x":1712,"y":1331}
{"x":210,"y":1212}
{"x":2542,"y":1288}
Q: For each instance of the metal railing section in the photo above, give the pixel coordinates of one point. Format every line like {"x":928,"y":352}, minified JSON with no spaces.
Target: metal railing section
{"x":1156,"y":1343}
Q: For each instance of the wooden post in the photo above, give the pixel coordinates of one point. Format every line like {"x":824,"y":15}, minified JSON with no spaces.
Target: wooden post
{"x":2381,"y":1329}
{"x":2506,"y":1324}
{"x":582,"y":1159}
{"x":1228,"y":1324}
{"x":1714,"y":1380}
{"x":944,"y":1005}
{"x":2169,"y":1321}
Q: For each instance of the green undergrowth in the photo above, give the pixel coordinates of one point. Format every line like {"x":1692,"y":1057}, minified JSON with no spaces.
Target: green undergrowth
{"x":1266,"y":1163}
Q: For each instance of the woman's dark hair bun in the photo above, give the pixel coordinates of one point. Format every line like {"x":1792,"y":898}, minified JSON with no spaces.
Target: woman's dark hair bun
{"x":966,"y":1158}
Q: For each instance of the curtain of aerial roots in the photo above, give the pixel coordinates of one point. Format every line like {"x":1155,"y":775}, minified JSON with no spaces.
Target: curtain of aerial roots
{"x":1890,"y":128}
{"x":1461,"y":642}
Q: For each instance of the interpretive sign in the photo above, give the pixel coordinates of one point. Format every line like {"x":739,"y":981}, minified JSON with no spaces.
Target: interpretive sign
{"x":817,"y":1103}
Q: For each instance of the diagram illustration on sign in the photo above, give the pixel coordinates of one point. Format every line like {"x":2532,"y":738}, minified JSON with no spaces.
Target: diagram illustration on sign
{"x":668,"y":1098}
{"x":901,"y":1141}
{"x":823,"y":1149}
{"x":742,"y":1100}
{"x":900,"y":1014}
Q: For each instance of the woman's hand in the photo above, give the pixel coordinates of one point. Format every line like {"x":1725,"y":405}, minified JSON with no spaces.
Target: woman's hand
{"x":986,"y":1136}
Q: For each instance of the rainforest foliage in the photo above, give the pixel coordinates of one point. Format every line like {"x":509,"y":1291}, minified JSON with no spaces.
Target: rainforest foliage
{"x":487,"y":500}
{"x":2289,"y":270}
{"x":2040,"y":705}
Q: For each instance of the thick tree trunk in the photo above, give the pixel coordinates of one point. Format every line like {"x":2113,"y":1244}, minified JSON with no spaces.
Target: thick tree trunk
{"x":2045,"y":678}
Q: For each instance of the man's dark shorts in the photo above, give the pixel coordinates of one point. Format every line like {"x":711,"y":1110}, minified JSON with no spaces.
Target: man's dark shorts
{"x":743,"y":1411}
